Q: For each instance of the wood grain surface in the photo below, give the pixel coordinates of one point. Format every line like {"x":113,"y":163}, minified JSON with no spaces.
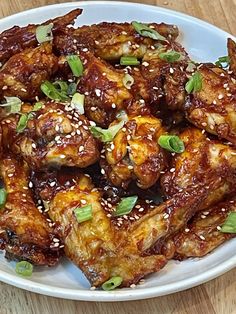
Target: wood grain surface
{"x":217,"y":296}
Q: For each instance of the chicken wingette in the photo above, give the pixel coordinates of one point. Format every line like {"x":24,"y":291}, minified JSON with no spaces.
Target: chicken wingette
{"x":25,"y":233}
{"x":134,"y":153}
{"x":54,"y":135}
{"x":22,"y":75}
{"x":201,"y":235}
{"x":212,"y":107}
{"x":16,"y":39}
{"x":202,"y":161}
{"x":110,"y":41}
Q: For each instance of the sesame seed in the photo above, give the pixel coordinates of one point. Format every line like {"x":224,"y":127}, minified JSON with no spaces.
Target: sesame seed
{"x":56,"y":244}
{"x":10,"y":175}
{"x":225,"y":85}
{"x":133,"y":286}
{"x":93,"y":288}
{"x":23,"y":90}
{"x":218,"y":228}
{"x":154,"y":87}
{"x":85,"y":49}
{"x":52,"y":184}
{"x":57,"y":138}
{"x":93,"y":108}
{"x":206,"y":213}
{"x":142,"y":101}
{"x":172,"y":170}
{"x":112,"y":146}
{"x":62,"y":156}
{"x":68,"y":136}
{"x":145,"y":64}
{"x":166,"y":216}
{"x":102,"y":171}
{"x":123,"y":129}
{"x":85,"y":127}
{"x":202,"y":237}
{"x":223,"y":209}
{"x":221,"y":96}
{"x":113,"y":105}
{"x":56,"y":240}
{"x":83,"y":202}
{"x":33,"y":145}
{"x":5,"y":87}
{"x":128,"y":137}
{"x":203,"y":216}
{"x":98,"y":92}
{"x":130,"y":167}
{"x":171,"y":70}
{"x":81,"y":148}
{"x":186,"y":229}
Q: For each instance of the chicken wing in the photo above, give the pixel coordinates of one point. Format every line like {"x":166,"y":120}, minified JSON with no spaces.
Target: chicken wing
{"x":202,"y":234}
{"x":23,"y":74}
{"x":110,"y":41}
{"x":232,"y":55}
{"x":213,"y":108}
{"x":134,"y":153}
{"x":56,"y":135}
{"x":102,"y":247}
{"x":25,"y":233}
{"x":16,"y":39}
{"x":202,"y":160}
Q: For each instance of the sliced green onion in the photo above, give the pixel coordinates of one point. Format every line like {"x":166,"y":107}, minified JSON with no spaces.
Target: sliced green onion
{"x":171,"y":143}
{"x":223,"y":62}
{"x":128,"y":81}
{"x":194,"y":84}
{"x":22,"y":123}
{"x":78,"y":102}
{"x":191,"y":66}
{"x":129,"y":61}
{"x":122,"y":116}
{"x":83,"y":213}
{"x":61,"y":86}
{"x":3,"y":197}
{"x":37,"y":106}
{"x":106,"y":135}
{"x":75,"y":64}
{"x":125,"y":206}
{"x":24,"y":269}
{"x":145,"y":31}
{"x":171,"y":56}
{"x":13,"y":104}
{"x":112,"y":283}
{"x":71,"y":89}
{"x":52,"y":92}
{"x":44,"y":33}
{"x":229,"y":225}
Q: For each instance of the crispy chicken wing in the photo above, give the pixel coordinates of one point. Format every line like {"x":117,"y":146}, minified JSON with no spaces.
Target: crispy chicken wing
{"x":232,"y":55}
{"x":23,"y":73}
{"x":134,"y":153}
{"x":106,"y":92}
{"x":101,"y":247}
{"x":55,"y":136}
{"x":202,"y":160}
{"x":25,"y":233}
{"x":110,"y":41}
{"x":16,"y":39}
{"x":213,"y":108}
{"x":202,"y":234}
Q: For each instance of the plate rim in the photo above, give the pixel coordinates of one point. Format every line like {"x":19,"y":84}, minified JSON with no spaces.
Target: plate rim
{"x":123,"y":294}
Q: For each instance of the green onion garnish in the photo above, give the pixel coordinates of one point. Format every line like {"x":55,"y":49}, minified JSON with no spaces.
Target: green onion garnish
{"x":83,"y":213}
{"x":106,"y":135}
{"x":24,"y":269}
{"x":61,"y":86}
{"x":145,"y":31}
{"x":223,"y":62}
{"x":194,"y":84}
{"x":75,"y":64}
{"x":13,"y":104}
{"x":37,"y":106}
{"x":78,"y":102}
{"x":128,"y":81}
{"x":122,"y":116}
{"x":125,"y":206}
{"x":170,"y":56}
{"x":171,"y":143}
{"x":129,"y":61}
{"x":52,"y":92}
{"x":229,"y":225}
{"x":22,"y":123}
{"x":112,"y":283}
{"x":44,"y":33}
{"x":71,"y":89}
{"x":3,"y":197}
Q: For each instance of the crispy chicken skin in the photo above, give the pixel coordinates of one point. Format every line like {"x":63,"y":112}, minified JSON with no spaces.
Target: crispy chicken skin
{"x":110,"y":41}
{"x":25,"y":233}
{"x":23,"y":73}
{"x":106,"y":93}
{"x":202,"y":235}
{"x":134,"y":153}
{"x":101,"y":247}
{"x":56,"y":136}
{"x":166,"y":80}
{"x":232,"y":55}
{"x":213,"y":108}
{"x":202,"y":161}
{"x":16,"y":39}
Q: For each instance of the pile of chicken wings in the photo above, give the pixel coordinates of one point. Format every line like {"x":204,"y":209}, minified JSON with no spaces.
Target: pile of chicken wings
{"x":52,"y":162}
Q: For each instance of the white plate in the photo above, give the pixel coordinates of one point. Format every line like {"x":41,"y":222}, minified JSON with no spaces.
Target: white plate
{"x":204,"y":42}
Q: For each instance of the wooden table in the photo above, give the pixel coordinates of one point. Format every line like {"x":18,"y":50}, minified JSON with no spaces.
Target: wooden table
{"x":216,"y":296}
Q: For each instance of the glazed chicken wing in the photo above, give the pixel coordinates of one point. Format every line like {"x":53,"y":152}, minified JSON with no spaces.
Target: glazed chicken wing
{"x":102,"y":247}
{"x":134,"y":153}
{"x":110,"y":41}
{"x":202,"y":161}
{"x":16,"y":39}
{"x":25,"y":233}
{"x":201,"y":235}
{"x":213,"y":108}
{"x":23,"y":74}
{"x":56,"y":135}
